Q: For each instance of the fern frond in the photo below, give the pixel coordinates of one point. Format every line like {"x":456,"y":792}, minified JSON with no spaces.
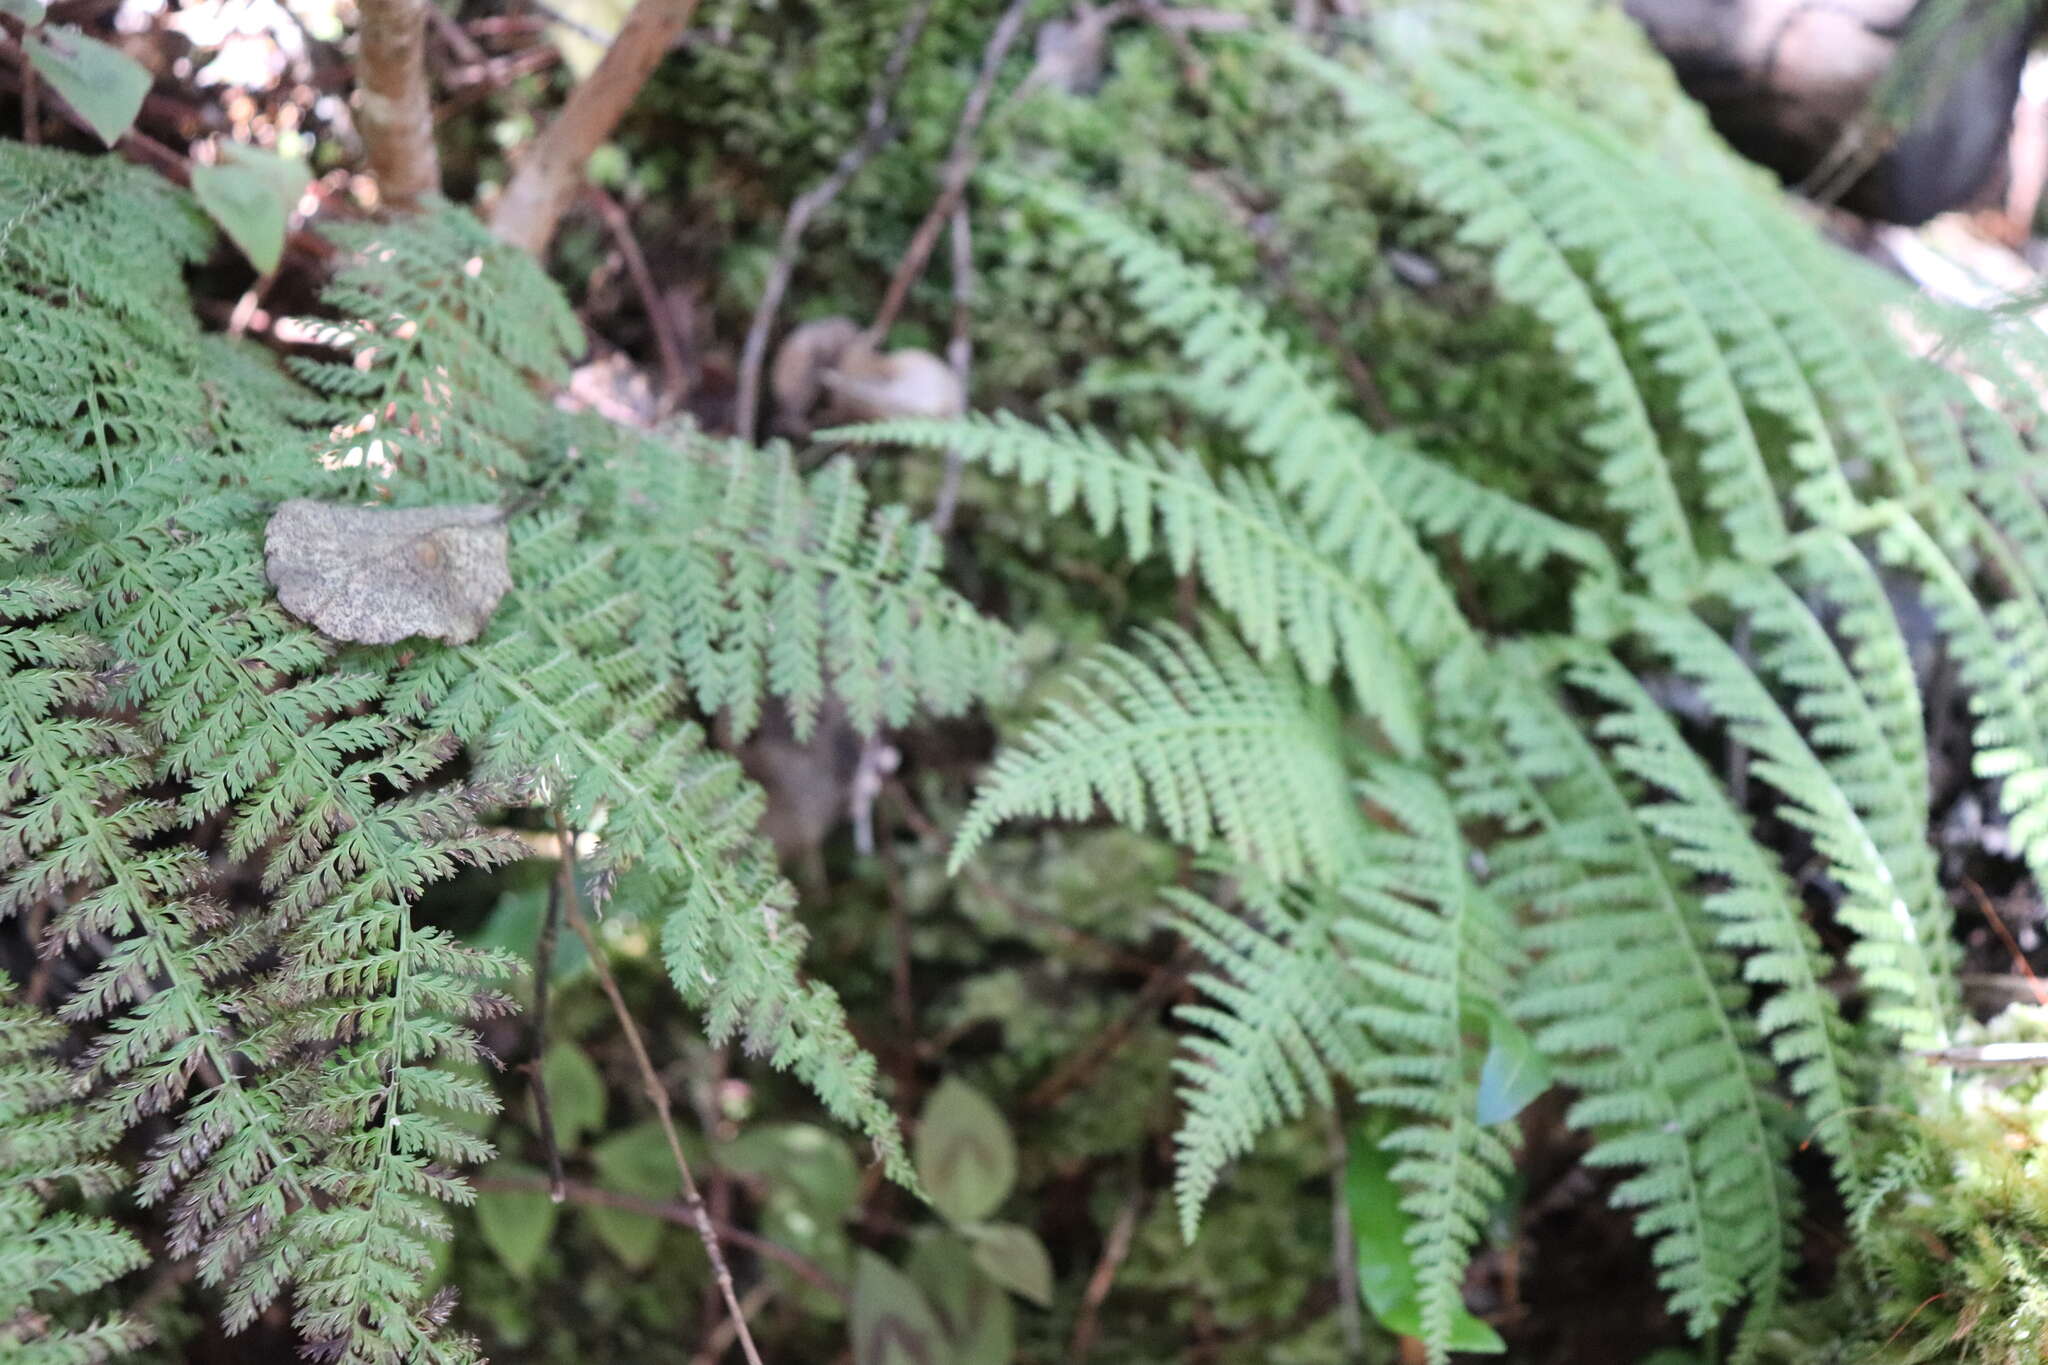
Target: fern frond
{"x":1254,"y":557}
{"x":1217,"y":748}
{"x":1363,"y":496}
{"x":1530,"y":270}
{"x":1633,"y":988}
{"x":46,"y":1255}
{"x":1430,"y":946}
{"x":758,"y":581}
{"x":563,"y":709}
{"x":448,"y":333}
{"x":1273,"y":1026}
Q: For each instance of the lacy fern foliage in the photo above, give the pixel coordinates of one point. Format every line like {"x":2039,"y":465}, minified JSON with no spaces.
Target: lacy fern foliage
{"x":1535,"y":827}
{"x":170,"y":738}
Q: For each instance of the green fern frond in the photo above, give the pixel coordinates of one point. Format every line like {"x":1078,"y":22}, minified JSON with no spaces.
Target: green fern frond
{"x":1273,"y":1026}
{"x":1633,"y":987}
{"x":760,"y":582}
{"x":1254,"y":557}
{"x":1532,"y":271}
{"x":46,"y":1256}
{"x":1217,"y":748}
{"x":1430,"y":947}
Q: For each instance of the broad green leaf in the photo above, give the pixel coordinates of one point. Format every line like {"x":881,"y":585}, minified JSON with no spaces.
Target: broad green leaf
{"x":979,"y":1317}
{"x":1014,"y":1258}
{"x":1386,"y":1270}
{"x":892,"y":1322}
{"x":516,"y":1224}
{"x":104,"y":84}
{"x":811,"y":1162}
{"x":638,"y":1162}
{"x":251,"y":194}
{"x":576,"y":1097}
{"x":515,"y":921}
{"x":1513,"y":1074}
{"x":964,"y":1152}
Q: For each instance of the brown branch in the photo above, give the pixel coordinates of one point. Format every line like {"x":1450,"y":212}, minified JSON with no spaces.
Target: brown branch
{"x":547,"y":179}
{"x":960,"y":164}
{"x":657,"y":1095}
{"x":806,"y":206}
{"x":671,"y":1211}
{"x":393,"y":109}
{"x":675,"y":378}
{"x":1114,"y":1250}
{"x":960,"y":355}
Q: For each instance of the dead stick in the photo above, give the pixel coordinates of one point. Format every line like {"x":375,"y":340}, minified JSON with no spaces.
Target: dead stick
{"x":960,"y":355}
{"x":657,"y":1095}
{"x":675,"y":379}
{"x":547,"y":179}
{"x":1114,"y":1250}
{"x":392,"y":106}
{"x":671,"y":1211}
{"x":960,"y":163}
{"x":806,"y":206}
{"x":543,"y":968}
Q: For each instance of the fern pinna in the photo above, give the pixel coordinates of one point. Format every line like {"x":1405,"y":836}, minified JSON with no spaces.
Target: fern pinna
{"x":1529,"y":827}
{"x":283,"y":1068}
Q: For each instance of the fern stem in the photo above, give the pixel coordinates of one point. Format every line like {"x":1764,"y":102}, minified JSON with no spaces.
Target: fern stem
{"x":656,"y":1092}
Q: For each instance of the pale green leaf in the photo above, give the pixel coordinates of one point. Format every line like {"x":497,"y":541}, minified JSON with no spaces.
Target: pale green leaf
{"x":516,"y":1224}
{"x":1014,"y":1258}
{"x":965,"y":1155}
{"x":251,"y":194}
{"x":892,"y":1322}
{"x":104,"y":84}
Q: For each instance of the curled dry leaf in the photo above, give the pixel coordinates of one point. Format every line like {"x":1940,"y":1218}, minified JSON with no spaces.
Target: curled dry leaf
{"x":867,"y":387}
{"x":798,"y":375}
{"x":373,"y":575}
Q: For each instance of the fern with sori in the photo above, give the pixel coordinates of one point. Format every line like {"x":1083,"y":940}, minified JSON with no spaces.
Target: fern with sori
{"x":171,"y":738}
{"x":1528,"y":827}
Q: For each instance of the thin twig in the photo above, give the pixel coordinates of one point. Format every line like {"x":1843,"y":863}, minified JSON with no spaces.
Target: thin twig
{"x":960,"y":164}
{"x":1114,"y":1250}
{"x":542,"y":188}
{"x":673,"y":1211}
{"x":1075,"y":1071}
{"x":393,"y":109}
{"x":543,"y":967}
{"x":960,"y":355}
{"x":874,"y":133}
{"x":675,"y":378}
{"x":1344,"y":1241}
{"x":31,"y":106}
{"x":455,"y":36}
{"x":2011,"y":945}
{"x":657,"y":1095}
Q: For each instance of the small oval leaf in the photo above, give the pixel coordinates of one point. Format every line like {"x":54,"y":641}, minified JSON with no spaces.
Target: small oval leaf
{"x":251,"y":194}
{"x":1514,"y":1072}
{"x":576,"y":1098}
{"x":1014,"y":1258}
{"x":516,"y":1224}
{"x":979,"y":1318}
{"x":892,"y":1322}
{"x":104,"y":84}
{"x":965,"y":1154}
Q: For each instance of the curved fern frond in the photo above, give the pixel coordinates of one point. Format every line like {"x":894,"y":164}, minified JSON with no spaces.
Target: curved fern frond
{"x":1530,"y":270}
{"x":45,"y":1255}
{"x":1631,"y":988}
{"x":758,"y":581}
{"x":1200,"y":737}
{"x":1430,"y":947}
{"x":1273,"y":1025}
{"x":1254,"y":557}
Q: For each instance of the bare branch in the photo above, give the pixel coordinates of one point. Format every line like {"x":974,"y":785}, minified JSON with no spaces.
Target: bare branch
{"x":546,"y":182}
{"x":392,"y":106}
{"x":960,"y":163}
{"x":807,"y":206}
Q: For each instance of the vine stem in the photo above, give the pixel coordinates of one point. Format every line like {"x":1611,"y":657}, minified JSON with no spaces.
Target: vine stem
{"x":657,"y":1095}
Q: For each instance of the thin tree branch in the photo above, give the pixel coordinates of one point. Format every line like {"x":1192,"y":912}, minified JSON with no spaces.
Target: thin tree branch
{"x":806,"y":206}
{"x":657,"y":1095}
{"x":960,"y":164}
{"x":1114,"y":1250}
{"x":543,"y":968}
{"x":960,"y":355}
{"x":546,"y":182}
{"x":675,"y":377}
{"x":393,"y":109}
{"x":679,"y":1213}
